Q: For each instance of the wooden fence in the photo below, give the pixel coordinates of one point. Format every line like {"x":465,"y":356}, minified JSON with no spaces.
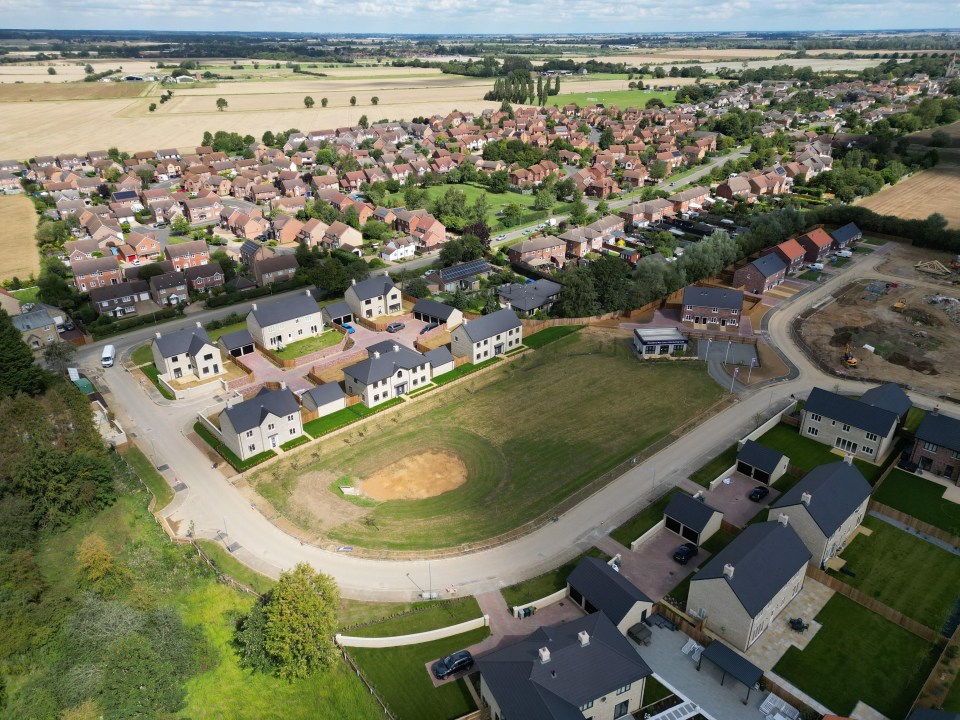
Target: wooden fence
{"x":942,"y":677}
{"x":363,"y":679}
{"x":894,"y":616}
{"x":918,"y":525}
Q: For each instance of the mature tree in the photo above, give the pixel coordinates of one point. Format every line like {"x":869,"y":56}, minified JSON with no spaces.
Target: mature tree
{"x":606,"y":138}
{"x":363,"y":122}
{"x":658,"y":169}
{"x":543,"y":200}
{"x":353,"y":99}
{"x":414,"y":197}
{"x":53,"y":286}
{"x":152,"y":270}
{"x":152,"y":107}
{"x":222,"y":104}
{"x":308,"y":102}
{"x":227,"y":263}
{"x":512,"y":214}
{"x":51,"y":71}
{"x":323,"y":102}
{"x":268,"y":138}
{"x":610,"y":281}
{"x":578,"y":211}
{"x":418,"y":288}
{"x":374,"y":100}
{"x":18,"y":373}
{"x":57,"y":355}
{"x":459,"y":300}
{"x":499,"y":181}
{"x":578,"y":297}
{"x":491,"y":305}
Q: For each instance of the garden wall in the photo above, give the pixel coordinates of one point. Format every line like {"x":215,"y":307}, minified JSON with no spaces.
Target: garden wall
{"x":647,"y":535}
{"x":414,"y":639}
{"x":769,"y":424}
{"x":541,"y":603}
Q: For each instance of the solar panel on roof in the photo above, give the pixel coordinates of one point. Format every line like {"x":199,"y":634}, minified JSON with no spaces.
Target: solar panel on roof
{"x":465,"y":270}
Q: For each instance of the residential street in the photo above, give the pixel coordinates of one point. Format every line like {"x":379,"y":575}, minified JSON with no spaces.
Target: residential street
{"x":214,"y":506}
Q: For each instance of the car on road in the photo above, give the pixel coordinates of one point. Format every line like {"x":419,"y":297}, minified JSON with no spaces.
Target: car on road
{"x":528,"y":232}
{"x":501,"y":237}
{"x":428,"y":327}
{"x":686,"y":551}
{"x":456,"y":662}
{"x":395,"y":327}
{"x":349,"y":328}
{"x":759,"y":493}
{"x":161,"y":224}
{"x":844,"y":253}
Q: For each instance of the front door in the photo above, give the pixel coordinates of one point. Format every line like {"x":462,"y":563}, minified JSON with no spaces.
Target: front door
{"x":401,"y":388}
{"x":498,"y":349}
{"x":273,"y":441}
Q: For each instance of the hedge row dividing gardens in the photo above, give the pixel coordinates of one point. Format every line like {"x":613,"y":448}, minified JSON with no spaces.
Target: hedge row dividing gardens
{"x":227,"y":454}
{"x":347,"y":416}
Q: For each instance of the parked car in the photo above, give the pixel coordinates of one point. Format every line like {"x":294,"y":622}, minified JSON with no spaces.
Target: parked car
{"x":161,"y":224}
{"x":815,"y":266}
{"x":759,"y":493}
{"x":395,"y":327}
{"x":844,"y":253}
{"x":428,"y":327}
{"x":451,"y":664}
{"x":349,"y":328}
{"x":686,"y":551}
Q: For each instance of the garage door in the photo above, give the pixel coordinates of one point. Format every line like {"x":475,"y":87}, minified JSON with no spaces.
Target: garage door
{"x":691,"y":535}
{"x":673,"y":525}
{"x":742,"y":467}
{"x":762,"y":476}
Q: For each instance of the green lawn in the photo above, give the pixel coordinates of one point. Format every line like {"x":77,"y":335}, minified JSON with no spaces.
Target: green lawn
{"x":525,"y":431}
{"x":920,"y":498}
{"x":547,"y":583}
{"x":154,"y":375}
{"x":719,"y":540}
{"x":873,"y":241}
{"x":463,"y":371}
{"x":226,"y":329}
{"x":227,"y":453}
{"x":155,"y":482}
{"x":623,"y":99}
{"x":229,"y":565}
{"x":142,"y":355}
{"x":27,"y":295}
{"x":858,"y":655}
{"x":400,"y":676}
{"x":901,"y":570}
{"x":435,"y":616}
{"x":808,"y":454}
{"x":810,"y":275}
{"x":548,"y":335}
{"x":643,"y":520}
{"x":341,"y":418}
{"x":712,"y":469}
{"x":654,"y":691}
{"x":863,"y":249}
{"x":839,"y":262}
{"x":680,"y":593}
{"x":296,"y":442}
{"x":309,"y":345}
{"x":915,"y":416}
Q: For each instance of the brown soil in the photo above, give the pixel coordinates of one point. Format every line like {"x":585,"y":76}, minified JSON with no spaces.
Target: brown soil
{"x":416,"y":477}
{"x":325,"y":509}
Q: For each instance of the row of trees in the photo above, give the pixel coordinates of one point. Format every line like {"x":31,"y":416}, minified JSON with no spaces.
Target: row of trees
{"x":518,"y":87}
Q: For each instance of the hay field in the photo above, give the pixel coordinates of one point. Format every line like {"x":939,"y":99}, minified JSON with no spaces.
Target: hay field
{"x":36,"y":72}
{"x":32,"y":92}
{"x":18,"y":252}
{"x":923,"y":137}
{"x":932,"y":191}
{"x":656,"y":57}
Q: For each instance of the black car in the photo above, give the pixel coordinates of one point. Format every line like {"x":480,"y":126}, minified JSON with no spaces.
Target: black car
{"x":452,"y":664}
{"x":685,"y":552}
{"x":759,"y":493}
{"x":428,"y":327}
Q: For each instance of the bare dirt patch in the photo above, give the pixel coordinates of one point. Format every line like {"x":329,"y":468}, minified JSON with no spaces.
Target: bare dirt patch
{"x":416,"y":477}
{"x":313,"y":499}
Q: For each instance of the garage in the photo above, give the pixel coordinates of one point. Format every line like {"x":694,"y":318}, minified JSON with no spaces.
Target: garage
{"x":691,"y":518}
{"x":431,"y":311}
{"x":237,"y":344}
{"x":760,"y":463}
{"x":595,"y":586}
{"x":338,"y":313}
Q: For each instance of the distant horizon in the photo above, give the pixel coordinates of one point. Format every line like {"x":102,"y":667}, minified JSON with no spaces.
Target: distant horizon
{"x":556,"y":33}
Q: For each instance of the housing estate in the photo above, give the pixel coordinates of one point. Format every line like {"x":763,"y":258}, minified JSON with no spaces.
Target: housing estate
{"x":487,"y":336}
{"x":712,"y":306}
{"x":187,"y":352}
{"x":373,"y":297}
{"x":285,"y":321}
{"x":936,"y":447}
{"x":761,"y":275}
{"x":390,"y":370}
{"x":852,"y":426}
{"x":264,"y":422}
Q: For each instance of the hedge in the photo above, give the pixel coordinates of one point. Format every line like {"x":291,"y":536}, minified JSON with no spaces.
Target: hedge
{"x":101,"y":330}
{"x":227,"y":454}
{"x":232,"y":298}
{"x":290,"y":445}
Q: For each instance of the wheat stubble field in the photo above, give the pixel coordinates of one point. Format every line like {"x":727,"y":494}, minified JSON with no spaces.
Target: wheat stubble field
{"x":932,"y":191}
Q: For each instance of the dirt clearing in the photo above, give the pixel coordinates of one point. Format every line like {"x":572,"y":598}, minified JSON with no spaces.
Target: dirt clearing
{"x":18,"y":251}
{"x":313,"y":500}
{"x":932,"y":191}
{"x":416,"y":477}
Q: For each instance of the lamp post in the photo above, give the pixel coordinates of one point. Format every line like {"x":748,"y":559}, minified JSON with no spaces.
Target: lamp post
{"x":726,"y":357}
{"x":733,"y":380}
{"x":753,"y":363}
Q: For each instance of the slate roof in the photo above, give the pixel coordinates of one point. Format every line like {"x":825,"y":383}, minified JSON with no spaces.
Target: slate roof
{"x":327,"y":393}
{"x":372,"y":287}
{"x":32,"y":320}
{"x":764,"y":558}
{"x":529,"y":296}
{"x":439,"y":356}
{"x":338,"y":309}
{"x":605,"y":588}
{"x":850,"y":411}
{"x":941,"y":430}
{"x":275,"y":263}
{"x":769,"y":264}
{"x":836,"y":491}
{"x":575,"y":675}
{"x":689,"y":511}
{"x":888,"y":396}
{"x":168,"y":280}
{"x":433,"y":309}
{"x":493,"y":324}
{"x":120,"y":290}
{"x":759,"y":456}
{"x":845,"y":234}
{"x":713,"y":297}
{"x":392,"y":357}
{"x":286,"y":309}
{"x":188,"y":340}
{"x":234,"y":340}
{"x":251,"y":413}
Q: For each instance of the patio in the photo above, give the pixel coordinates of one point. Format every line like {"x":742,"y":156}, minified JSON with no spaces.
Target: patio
{"x":731,"y":499}
{"x":773,"y":643}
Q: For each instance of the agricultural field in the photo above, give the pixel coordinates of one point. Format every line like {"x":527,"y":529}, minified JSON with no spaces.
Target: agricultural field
{"x":519,"y":464}
{"x":620,"y":98}
{"x":35,"y":92}
{"x":18,"y":251}
{"x":921,"y":195}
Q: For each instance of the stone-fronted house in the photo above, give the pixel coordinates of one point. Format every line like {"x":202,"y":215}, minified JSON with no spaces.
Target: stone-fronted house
{"x":262,"y":423}
{"x":373,"y":297}
{"x":487,"y":336}
{"x":850,"y":425}
{"x":390,"y":370}
{"x":187,"y":352}
{"x":285,"y":321}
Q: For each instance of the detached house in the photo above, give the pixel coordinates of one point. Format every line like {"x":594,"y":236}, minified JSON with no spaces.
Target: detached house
{"x":169,"y":288}
{"x":262,"y":423}
{"x":285,"y":321}
{"x":373,"y":297}
{"x":205,"y":277}
{"x":390,"y":370}
{"x":95,"y":273}
{"x":119,"y":300}
{"x":275,"y":268}
{"x":189,"y":254}
{"x":761,"y":275}
{"x":187,"y":352}
{"x":850,"y":425}
{"x":712,"y":306}
{"x":529,"y":298}
{"x":487,"y":336}
{"x":936,"y":448}
{"x":539,"y":251}
{"x":203,"y":209}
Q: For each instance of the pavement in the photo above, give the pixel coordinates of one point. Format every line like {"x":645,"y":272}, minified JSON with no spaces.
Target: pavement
{"x":213,"y":504}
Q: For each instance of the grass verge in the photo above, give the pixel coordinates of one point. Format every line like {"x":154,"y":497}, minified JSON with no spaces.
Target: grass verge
{"x":296,"y":442}
{"x":227,"y":454}
{"x":229,"y":565}
{"x":142,"y":355}
{"x":154,"y":375}
{"x":463,"y":371}
{"x":712,"y":469}
{"x":547,"y":583}
{"x":432,"y":617}
{"x":155,"y":482}
{"x":643,"y":520}
{"x":548,"y":335}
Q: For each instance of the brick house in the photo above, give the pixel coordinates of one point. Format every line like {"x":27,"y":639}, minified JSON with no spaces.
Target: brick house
{"x":847,"y":234}
{"x":547,"y":249}
{"x":761,"y":275}
{"x":791,"y":252}
{"x":119,"y":300}
{"x":169,"y":288}
{"x":145,"y":245}
{"x":203,"y":209}
{"x":188,"y":254}
{"x":816,"y":244}
{"x":80,"y":250}
{"x":95,"y":273}
{"x":711,"y":306}
{"x":691,"y":199}
{"x":936,"y":448}
{"x":276,"y":268}
{"x":203,"y":278}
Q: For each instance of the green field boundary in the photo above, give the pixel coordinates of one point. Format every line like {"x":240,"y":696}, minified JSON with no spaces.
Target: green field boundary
{"x":537,"y":340}
{"x":463,"y":371}
{"x":228,"y":454}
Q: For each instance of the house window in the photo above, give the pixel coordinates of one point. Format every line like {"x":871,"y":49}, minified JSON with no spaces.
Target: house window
{"x":293,"y":431}
{"x":867,"y":450}
{"x":625,"y":688}
{"x":689,"y":307}
{"x":846,"y":427}
{"x":289,"y":418}
{"x":956,"y":454}
{"x":930,"y":447}
{"x":873,"y":437}
{"x":270,"y":426}
{"x":713,"y":309}
{"x":251,"y":448}
{"x":586,"y":706}
{"x":734,"y":312}
{"x":813,"y":431}
{"x":621,"y":710}
{"x":208,"y":356}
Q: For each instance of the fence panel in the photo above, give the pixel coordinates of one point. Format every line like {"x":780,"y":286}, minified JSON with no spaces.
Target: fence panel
{"x":918,"y":525}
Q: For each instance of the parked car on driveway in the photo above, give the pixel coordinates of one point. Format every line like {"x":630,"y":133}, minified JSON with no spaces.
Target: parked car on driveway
{"x":349,"y":328}
{"x":844,"y":253}
{"x":759,"y":493}
{"x":451,"y":664}
{"x":428,"y":327}
{"x":815,"y":266}
{"x":686,"y":551}
{"x":395,"y":327}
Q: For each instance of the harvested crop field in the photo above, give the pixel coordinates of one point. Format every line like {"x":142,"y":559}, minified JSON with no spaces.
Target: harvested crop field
{"x":932,"y":191}
{"x":417,"y":476}
{"x":32,"y":92}
{"x":18,"y":252}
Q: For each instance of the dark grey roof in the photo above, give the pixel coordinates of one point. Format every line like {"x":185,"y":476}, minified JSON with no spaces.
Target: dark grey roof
{"x":492,"y":324}
{"x":530,"y":296}
{"x":338,"y":309}
{"x":888,"y":396}
{"x":850,"y":411}
{"x":373,"y":287}
{"x":433,"y":309}
{"x":323,"y":394}
{"x":464,"y":270}
{"x":124,"y":289}
{"x":438,"y":357}
{"x":385,"y":358}
{"x":759,"y":456}
{"x":527,"y":688}
{"x":733,"y":663}
{"x":606,"y":589}
{"x":846,"y":233}
{"x":940,"y":429}
{"x":836,"y":490}
{"x":188,"y":340}
{"x":250,"y":247}
{"x":713,"y":297}
{"x":168,"y":280}
{"x":288,"y":308}
{"x":32,"y":320}
{"x":276,"y":262}
{"x":928,"y":714}
{"x":234,"y":340}
{"x":689,"y":511}
{"x":251,"y":413}
{"x":765,"y":556}
{"x":769,"y":264}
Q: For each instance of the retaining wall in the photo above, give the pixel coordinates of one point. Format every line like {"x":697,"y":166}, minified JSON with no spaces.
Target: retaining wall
{"x":415,"y":638}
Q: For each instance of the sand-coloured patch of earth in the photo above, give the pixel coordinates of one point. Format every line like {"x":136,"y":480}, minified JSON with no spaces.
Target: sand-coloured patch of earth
{"x":416,"y":477}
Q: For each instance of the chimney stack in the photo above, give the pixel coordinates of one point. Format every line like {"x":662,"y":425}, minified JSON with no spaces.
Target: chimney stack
{"x":805,"y":498}
{"x":728,"y":570}
{"x":544,"y":655}
{"x":199,"y":325}
{"x":253,"y":307}
{"x":396,"y":348}
{"x":376,"y":354}
{"x":158,"y":335}
{"x":584,"y":638}
{"x":353,"y":281}
{"x":283,"y":384}
{"x":307,"y":293}
{"x":783,"y":519}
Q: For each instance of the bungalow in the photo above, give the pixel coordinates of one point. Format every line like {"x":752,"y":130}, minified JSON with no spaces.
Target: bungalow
{"x":399,"y":249}
{"x":850,"y":425}
{"x":825,"y":508}
{"x":691,"y":518}
{"x":276,"y":268}
{"x":847,"y":234}
{"x":204,"y":278}
{"x":390,"y":370}
{"x":597,"y":587}
{"x":791,"y":252}
{"x":936,"y":448}
{"x":285,"y":321}
{"x":431,"y":311}
{"x":742,"y":589}
{"x":816,"y":244}
{"x":761,"y":275}
{"x":96,"y":272}
{"x":262,"y":423}
{"x":187,"y":352}
{"x":373,"y":297}
{"x":712,"y":306}
{"x":119,"y":300}
{"x":324,"y":399}
{"x":169,"y":288}
{"x":529,"y":298}
{"x":487,"y":336}
{"x":653,"y":342}
{"x":189,"y":254}
{"x":761,"y":463}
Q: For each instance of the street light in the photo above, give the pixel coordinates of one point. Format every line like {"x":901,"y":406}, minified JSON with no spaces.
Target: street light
{"x":753,"y":364}
{"x":729,"y":345}
{"x":733,"y":380}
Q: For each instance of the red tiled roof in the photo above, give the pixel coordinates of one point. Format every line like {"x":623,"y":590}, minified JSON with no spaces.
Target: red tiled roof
{"x":792,"y":249}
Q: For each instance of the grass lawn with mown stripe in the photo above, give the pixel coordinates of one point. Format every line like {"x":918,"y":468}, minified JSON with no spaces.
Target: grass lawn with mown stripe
{"x":920,"y":498}
{"x":808,"y":454}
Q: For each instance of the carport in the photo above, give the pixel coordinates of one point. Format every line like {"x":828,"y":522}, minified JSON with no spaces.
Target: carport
{"x":760,"y":463}
{"x":237,"y":344}
{"x":691,"y":518}
{"x":337,"y":313}
{"x":733,"y":664}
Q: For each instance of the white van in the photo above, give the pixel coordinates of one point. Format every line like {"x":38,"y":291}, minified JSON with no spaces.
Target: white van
{"x":844,"y":253}
{"x":109,"y":353}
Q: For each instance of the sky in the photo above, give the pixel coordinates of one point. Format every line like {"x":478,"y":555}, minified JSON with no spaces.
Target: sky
{"x":480,"y":16}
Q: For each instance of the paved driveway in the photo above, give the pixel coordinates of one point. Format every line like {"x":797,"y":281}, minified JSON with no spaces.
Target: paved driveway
{"x":733,"y":502}
{"x":652,"y":567}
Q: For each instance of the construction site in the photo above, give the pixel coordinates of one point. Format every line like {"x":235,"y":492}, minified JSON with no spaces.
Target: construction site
{"x":891,"y":330}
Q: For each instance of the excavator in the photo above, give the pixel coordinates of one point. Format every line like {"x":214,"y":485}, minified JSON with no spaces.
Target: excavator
{"x":848,"y":359}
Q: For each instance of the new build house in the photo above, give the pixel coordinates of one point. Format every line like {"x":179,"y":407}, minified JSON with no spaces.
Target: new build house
{"x":487,"y":336}
{"x":761,"y":275}
{"x":850,"y":425}
{"x":285,"y":321}
{"x":529,"y":298}
{"x":188,"y":352}
{"x":711,"y":306}
{"x":264,"y":422}
{"x":373,"y":297}
{"x":595,"y":586}
{"x":816,"y":244}
{"x":936,"y":447}
{"x":390,"y":370}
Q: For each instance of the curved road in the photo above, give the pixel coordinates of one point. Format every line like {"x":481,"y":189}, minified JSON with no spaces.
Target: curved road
{"x":214,"y":506}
